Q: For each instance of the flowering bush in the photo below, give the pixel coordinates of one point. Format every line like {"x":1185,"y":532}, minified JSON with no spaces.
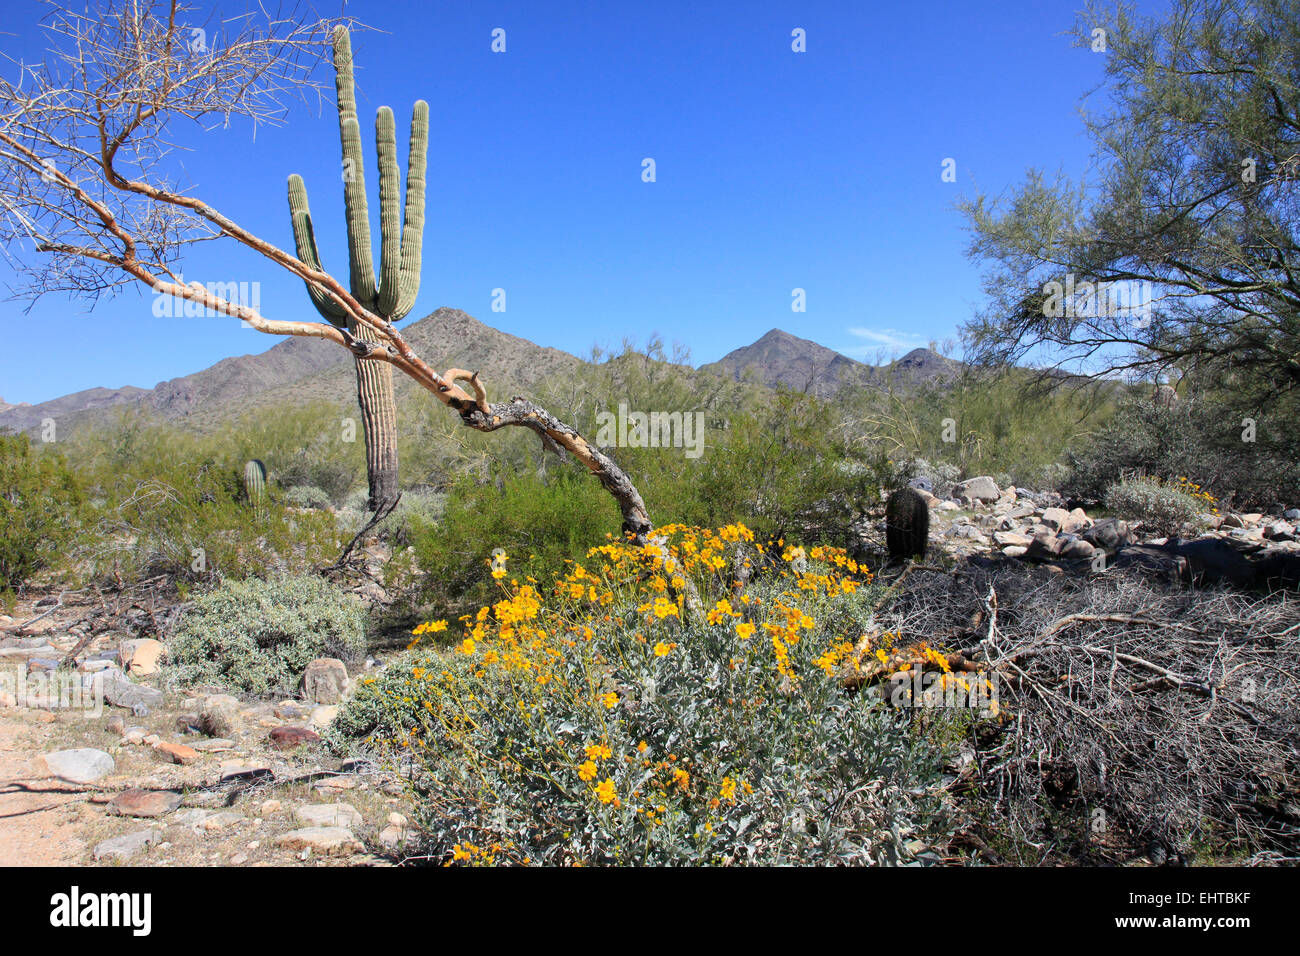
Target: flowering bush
{"x":645,"y":710}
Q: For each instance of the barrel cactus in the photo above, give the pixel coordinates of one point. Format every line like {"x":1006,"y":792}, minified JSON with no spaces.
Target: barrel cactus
{"x":391,"y":294}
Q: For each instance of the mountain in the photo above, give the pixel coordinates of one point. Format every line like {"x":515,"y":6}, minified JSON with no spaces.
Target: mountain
{"x":301,"y":370}
{"x":779,"y":358}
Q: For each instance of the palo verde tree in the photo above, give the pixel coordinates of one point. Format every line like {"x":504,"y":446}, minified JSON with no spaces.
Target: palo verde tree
{"x":1177,"y":251}
{"x":85,"y":181}
{"x":391,"y":294}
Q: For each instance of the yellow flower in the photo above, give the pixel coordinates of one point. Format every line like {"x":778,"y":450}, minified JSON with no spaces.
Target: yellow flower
{"x":641,"y":747}
{"x":587,"y":771}
{"x":728,"y":789}
{"x":610,"y":700}
{"x":598,"y":752}
{"x":605,"y":792}
{"x":662,"y":649}
{"x":745,"y":630}
{"x":466,"y":646}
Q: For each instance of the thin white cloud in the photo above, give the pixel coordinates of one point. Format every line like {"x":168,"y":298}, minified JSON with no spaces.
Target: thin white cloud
{"x":884,"y":338}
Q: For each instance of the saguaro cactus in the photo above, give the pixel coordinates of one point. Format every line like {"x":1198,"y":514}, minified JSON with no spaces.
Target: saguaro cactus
{"x":392,"y":294}
{"x":255,"y":484}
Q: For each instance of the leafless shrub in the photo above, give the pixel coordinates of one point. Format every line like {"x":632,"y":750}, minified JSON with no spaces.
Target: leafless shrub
{"x":1148,"y":715}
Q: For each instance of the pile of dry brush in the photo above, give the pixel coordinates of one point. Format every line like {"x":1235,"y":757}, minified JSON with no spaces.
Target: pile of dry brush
{"x":1136,"y":716}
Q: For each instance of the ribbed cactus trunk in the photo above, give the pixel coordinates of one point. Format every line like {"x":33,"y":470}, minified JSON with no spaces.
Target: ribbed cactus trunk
{"x":391,"y":294}
{"x":378,"y":422}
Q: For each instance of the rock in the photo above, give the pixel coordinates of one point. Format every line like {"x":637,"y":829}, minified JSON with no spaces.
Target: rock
{"x":215,"y":745}
{"x":1012,"y":538}
{"x":1279,"y":531}
{"x":220,"y":820}
{"x":1014,"y":551}
{"x":290,"y":710}
{"x":983,"y":489}
{"x":922,"y":484}
{"x":325,"y":681}
{"x":219,"y":716}
{"x":330,"y":841}
{"x":144,"y":803}
{"x":328,"y":815}
{"x":323,"y":716}
{"x":1071,"y":547}
{"x":1108,"y":533}
{"x":1076,"y":521}
{"x":121,"y":692}
{"x":179,"y":753}
{"x":135,"y":736}
{"x":334,"y":785}
{"x":7,"y":699}
{"x":1055,"y":518}
{"x":398,"y":820}
{"x":126,"y":846}
{"x":948,"y":506}
{"x":269,"y":807}
{"x":1291,"y":514}
{"x":1232,"y":521}
{"x":141,"y":657}
{"x":1041,"y":548}
{"x":287,"y":738}
{"x":115,"y":725}
{"x":83,"y":765}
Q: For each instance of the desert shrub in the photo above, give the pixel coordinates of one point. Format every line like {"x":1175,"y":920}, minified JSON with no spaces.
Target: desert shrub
{"x":306,"y":496}
{"x":258,"y":636}
{"x":1202,"y":437}
{"x":612,"y":721}
{"x":40,"y":504}
{"x":1164,"y":509}
{"x":544,"y":519}
{"x":942,"y":475}
{"x":190,"y":520}
{"x":306,"y":445}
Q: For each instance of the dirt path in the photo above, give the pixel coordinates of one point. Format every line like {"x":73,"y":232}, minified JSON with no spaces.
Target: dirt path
{"x":38,"y":814}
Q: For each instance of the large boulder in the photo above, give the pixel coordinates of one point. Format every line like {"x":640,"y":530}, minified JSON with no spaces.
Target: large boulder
{"x":982,"y":488}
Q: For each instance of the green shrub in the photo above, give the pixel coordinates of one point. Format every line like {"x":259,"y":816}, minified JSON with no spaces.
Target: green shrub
{"x":1205,"y":436}
{"x":602,"y":721}
{"x":1163,"y":509}
{"x":307,"y":496}
{"x":258,"y":636}
{"x":40,"y":503}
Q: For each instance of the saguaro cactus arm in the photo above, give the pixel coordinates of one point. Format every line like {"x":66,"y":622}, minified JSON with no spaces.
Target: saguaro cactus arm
{"x":413,"y":223}
{"x":304,"y":237}
{"x":354,"y":177}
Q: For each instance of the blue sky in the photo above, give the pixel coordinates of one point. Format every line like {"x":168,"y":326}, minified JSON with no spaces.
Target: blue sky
{"x":775,"y":170}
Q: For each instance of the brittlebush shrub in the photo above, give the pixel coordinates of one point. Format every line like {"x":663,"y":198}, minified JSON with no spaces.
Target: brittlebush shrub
{"x":610,"y":719}
{"x":1164,"y":508}
{"x":259,"y":636}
